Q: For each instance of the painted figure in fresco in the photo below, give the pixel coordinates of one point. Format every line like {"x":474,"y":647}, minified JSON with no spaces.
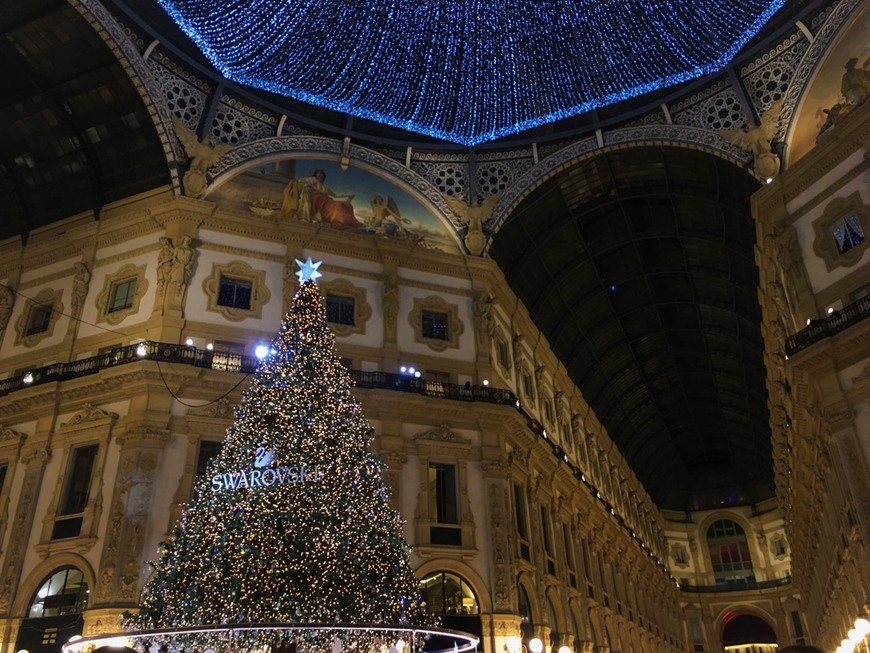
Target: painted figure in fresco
{"x":386,"y":217}
{"x":855,"y":86}
{"x":310,"y":199}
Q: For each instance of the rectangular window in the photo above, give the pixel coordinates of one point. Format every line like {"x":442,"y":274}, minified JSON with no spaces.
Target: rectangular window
{"x":501,"y":352}
{"x":340,"y":310}
{"x":548,"y":410}
{"x":522,"y":520}
{"x":122,"y":295}
{"x":443,"y":505}
{"x":235,"y":293}
{"x":74,"y":499}
{"x":442,"y":493}
{"x":547,"y":533}
{"x":207,"y":452}
{"x":847,"y":233}
{"x":570,"y":561}
{"x":779,"y":547}
{"x":527,"y":385}
{"x":435,"y":325}
{"x":4,"y":467}
{"x":39,"y":319}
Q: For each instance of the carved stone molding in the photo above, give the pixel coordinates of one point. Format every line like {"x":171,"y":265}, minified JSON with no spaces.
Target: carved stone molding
{"x":89,"y":413}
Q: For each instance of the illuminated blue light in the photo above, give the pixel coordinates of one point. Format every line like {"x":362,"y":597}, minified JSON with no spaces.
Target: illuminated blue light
{"x":468,"y":71}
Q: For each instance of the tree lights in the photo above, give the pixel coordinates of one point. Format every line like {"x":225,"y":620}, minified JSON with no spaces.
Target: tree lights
{"x":468,"y":71}
{"x":292,"y":522}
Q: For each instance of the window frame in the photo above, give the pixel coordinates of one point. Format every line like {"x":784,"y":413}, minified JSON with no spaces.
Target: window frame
{"x":436,"y":304}
{"x":45,"y":297}
{"x":239,"y":271}
{"x":362,"y":310}
{"x":105,"y":297}
{"x":242,"y":292}
{"x":824,"y":244}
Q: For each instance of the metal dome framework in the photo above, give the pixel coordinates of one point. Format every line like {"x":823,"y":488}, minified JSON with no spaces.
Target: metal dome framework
{"x":468,"y":71}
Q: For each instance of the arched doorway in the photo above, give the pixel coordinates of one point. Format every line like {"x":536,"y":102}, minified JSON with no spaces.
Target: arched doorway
{"x":54,"y":613}
{"x":743,"y":631}
{"x":452,"y":598}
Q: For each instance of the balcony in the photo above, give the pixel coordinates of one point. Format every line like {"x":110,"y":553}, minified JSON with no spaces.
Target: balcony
{"x":736,"y":586}
{"x":829,"y":326}
{"x":186,"y":355}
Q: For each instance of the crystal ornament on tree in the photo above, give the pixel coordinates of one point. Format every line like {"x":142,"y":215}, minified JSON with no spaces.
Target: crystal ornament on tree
{"x":292,"y":521}
{"x":468,"y":71}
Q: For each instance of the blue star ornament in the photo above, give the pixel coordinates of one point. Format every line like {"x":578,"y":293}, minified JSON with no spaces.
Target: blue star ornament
{"x":308,"y":270}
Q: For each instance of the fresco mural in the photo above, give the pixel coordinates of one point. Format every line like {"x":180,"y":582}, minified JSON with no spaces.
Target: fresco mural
{"x":841,"y":84}
{"x":352,"y":200}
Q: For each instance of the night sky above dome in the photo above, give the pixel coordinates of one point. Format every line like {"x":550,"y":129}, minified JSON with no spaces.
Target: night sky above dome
{"x":467,"y":71}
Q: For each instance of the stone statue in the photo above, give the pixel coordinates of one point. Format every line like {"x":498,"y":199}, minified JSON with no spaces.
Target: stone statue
{"x":7,"y":301}
{"x":202,"y":154}
{"x":482,"y":308}
{"x":391,"y":306}
{"x":164,"y":262}
{"x":756,"y":139}
{"x":81,"y":280}
{"x":182,"y":264}
{"x":474,"y":216}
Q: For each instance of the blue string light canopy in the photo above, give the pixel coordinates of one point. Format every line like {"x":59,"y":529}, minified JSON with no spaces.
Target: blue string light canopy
{"x":467,"y":71}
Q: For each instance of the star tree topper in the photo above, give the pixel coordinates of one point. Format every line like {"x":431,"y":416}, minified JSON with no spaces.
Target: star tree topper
{"x":308,"y":270}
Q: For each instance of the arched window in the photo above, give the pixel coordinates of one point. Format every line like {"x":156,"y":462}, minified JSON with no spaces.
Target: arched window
{"x":448,"y":594}
{"x":64,"y":592}
{"x":525,"y":608}
{"x":729,"y":553}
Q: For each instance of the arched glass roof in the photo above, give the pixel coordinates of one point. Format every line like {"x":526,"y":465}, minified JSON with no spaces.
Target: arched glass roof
{"x":468,"y":71}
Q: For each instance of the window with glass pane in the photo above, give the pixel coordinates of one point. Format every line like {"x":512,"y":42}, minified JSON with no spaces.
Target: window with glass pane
{"x":340,"y":310}
{"x":435,"y":325}
{"x":123,"y":294}
{"x":78,"y":482}
{"x":442,"y":493}
{"x":847,"y":233}
{"x":235,"y":293}
{"x":4,"y":467}
{"x":64,"y":592}
{"x":39,"y":319}
{"x":569,"y":548}
{"x":448,"y":594}
{"x":729,"y":552}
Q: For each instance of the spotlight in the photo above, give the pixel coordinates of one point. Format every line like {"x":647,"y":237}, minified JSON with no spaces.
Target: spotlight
{"x":862,"y":625}
{"x":411,"y":370}
{"x":769,"y":180}
{"x":141,"y":350}
{"x":28,"y":378}
{"x":189,"y":342}
{"x":403,"y":369}
{"x":536,"y":645}
{"x":261,"y":351}
{"x":209,"y":346}
{"x":564,"y":649}
{"x":830,"y":310}
{"x":514,"y":644}
{"x":485,"y":382}
{"x":417,"y":374}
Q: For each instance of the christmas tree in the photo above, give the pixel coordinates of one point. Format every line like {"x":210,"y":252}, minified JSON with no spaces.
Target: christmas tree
{"x":292,"y":522}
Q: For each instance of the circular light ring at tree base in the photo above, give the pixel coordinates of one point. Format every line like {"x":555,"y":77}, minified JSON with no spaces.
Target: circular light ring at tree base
{"x":468,"y":71}
{"x":308,"y":637}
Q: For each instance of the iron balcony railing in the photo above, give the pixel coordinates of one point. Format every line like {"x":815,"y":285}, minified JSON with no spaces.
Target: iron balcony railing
{"x":736,"y":585}
{"x":168,"y":353}
{"x":826,"y":327}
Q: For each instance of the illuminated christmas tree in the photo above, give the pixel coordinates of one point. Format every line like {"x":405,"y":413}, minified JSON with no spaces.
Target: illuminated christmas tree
{"x":292,"y":522}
